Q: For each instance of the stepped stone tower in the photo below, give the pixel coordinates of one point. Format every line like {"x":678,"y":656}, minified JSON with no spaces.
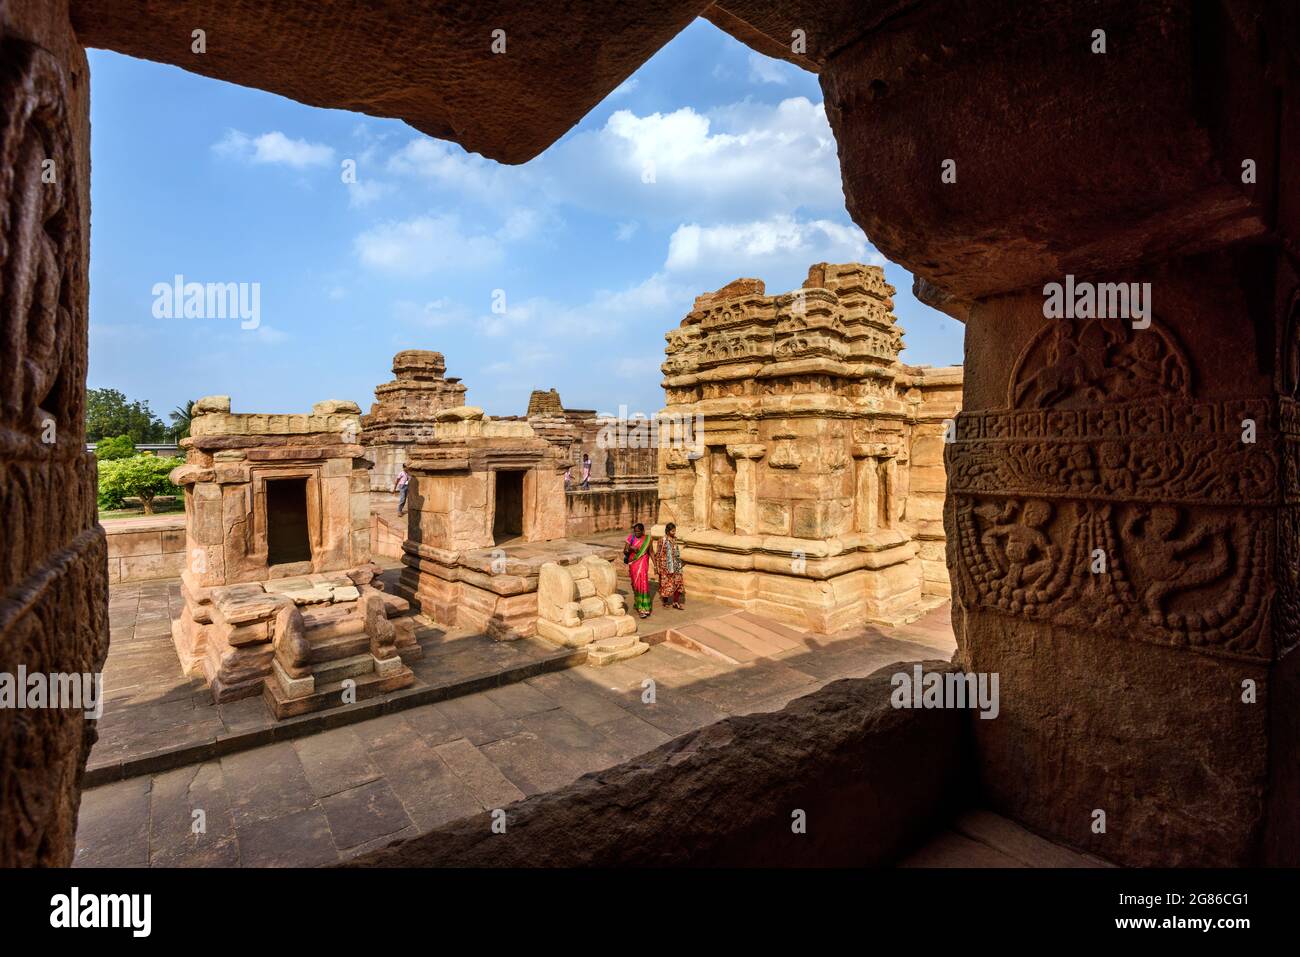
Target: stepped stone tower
{"x":404,"y":410}
{"x":787,"y":449}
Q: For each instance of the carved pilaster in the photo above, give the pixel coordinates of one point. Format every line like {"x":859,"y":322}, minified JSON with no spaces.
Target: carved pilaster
{"x":53,"y":571}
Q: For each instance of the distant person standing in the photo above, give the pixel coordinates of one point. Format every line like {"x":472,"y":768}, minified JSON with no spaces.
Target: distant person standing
{"x":568,"y":478}
{"x":400,"y":487}
{"x":586,"y":471}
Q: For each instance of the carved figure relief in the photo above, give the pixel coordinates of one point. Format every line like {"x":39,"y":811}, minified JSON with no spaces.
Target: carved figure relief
{"x":1089,"y":362}
{"x":1104,"y":451}
{"x":1170,"y":575}
{"x":41,"y":274}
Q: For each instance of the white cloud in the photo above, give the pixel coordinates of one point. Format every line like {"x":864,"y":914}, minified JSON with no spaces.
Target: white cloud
{"x":447,"y":166}
{"x":624,"y":88}
{"x":745,"y":160}
{"x":434,"y":313}
{"x":522,"y":356}
{"x":764,"y":69}
{"x":626,"y":231}
{"x":425,"y":245}
{"x":754,"y":248}
{"x":269,"y":335}
{"x":273,"y":148}
{"x":363,"y":192}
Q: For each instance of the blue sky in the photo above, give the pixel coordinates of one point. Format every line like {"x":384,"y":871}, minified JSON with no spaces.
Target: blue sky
{"x":710,"y":163}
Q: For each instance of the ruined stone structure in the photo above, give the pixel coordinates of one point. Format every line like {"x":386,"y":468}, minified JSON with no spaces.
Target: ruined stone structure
{"x":403,"y":412}
{"x":279,"y":590}
{"x":579,"y":606}
{"x":795,"y":499}
{"x":990,"y":148}
{"x":482,"y":491}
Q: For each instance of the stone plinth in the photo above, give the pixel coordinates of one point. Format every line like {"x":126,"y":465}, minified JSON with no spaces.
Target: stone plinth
{"x":295,"y":640}
{"x":492,"y":590}
{"x":786,"y":448}
{"x":579,"y":606}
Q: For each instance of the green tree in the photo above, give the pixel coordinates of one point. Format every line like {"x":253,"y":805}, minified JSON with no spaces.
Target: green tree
{"x":180,"y":417}
{"x":143,"y":476}
{"x":108,"y":413}
{"x":121,"y":447}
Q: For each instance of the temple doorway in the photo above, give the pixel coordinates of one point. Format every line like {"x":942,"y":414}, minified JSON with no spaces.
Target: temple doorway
{"x":287,"y":540}
{"x":508,"y":517}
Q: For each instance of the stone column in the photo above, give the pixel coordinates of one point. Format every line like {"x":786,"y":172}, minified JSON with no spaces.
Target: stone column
{"x":746,"y":456}
{"x":888,"y":471}
{"x":866,"y":494}
{"x":703,"y":489}
{"x":1123,"y":510}
{"x":53,"y":565}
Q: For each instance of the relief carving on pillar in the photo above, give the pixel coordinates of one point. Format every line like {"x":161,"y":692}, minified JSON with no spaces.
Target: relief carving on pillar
{"x":42,"y":316}
{"x":1089,"y":362}
{"x":1172,"y":575}
{"x":53,"y":565}
{"x":1107,"y":496}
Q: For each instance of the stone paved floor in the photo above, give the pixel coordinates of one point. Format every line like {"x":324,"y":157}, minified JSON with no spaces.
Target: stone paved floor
{"x":332,"y":795}
{"x":152,"y":708}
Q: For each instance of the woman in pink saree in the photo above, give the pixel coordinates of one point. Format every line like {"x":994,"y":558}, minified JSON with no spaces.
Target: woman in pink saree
{"x":636,"y":552}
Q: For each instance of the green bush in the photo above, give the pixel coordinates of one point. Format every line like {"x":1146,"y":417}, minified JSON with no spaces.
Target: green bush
{"x":142,"y":476}
{"x":121,"y":447}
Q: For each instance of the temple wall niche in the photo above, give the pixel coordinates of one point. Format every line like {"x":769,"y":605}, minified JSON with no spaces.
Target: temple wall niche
{"x":793,"y":490}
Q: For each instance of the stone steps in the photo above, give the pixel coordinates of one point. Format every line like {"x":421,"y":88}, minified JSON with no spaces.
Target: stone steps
{"x":604,"y":651}
{"x":335,"y":647}
{"x":327,"y":672}
{"x":330,"y":694}
{"x":736,"y":638}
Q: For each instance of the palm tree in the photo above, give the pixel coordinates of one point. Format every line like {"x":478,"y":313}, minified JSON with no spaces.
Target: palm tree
{"x":180,"y":417}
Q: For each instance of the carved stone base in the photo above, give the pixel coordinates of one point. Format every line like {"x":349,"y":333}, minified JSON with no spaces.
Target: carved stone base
{"x":887,"y":595}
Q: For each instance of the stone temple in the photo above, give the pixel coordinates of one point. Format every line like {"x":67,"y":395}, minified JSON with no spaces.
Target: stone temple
{"x":990,"y":150}
{"x":806,"y":473}
{"x":279,"y":590}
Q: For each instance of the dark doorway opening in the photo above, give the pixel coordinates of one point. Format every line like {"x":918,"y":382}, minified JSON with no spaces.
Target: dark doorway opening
{"x":287,"y":540}
{"x":508,"y":519}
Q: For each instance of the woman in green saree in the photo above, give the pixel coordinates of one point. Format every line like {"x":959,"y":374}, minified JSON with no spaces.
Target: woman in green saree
{"x":636,"y":553}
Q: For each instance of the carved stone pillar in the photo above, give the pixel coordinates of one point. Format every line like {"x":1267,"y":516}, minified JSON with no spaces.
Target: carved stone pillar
{"x":1123,"y":510}
{"x":53,"y":570}
{"x":888,"y":508}
{"x":866,"y":492}
{"x":746,"y":456}
{"x":703,"y":489}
